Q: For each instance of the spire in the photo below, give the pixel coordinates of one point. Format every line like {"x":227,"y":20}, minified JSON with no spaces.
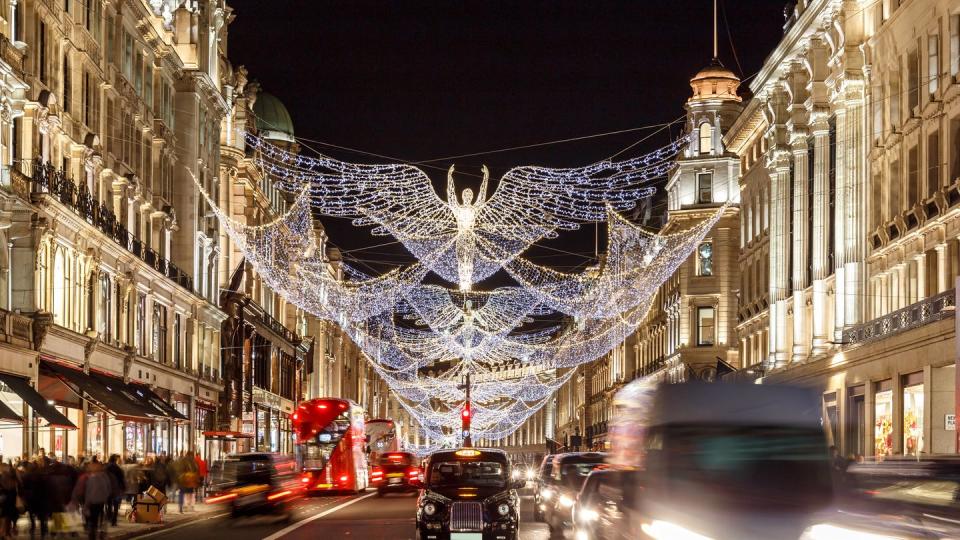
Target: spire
{"x":715,"y":55}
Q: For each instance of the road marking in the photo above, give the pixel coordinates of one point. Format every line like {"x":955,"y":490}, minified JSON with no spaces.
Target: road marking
{"x":297,"y":525}
{"x":188,"y":522}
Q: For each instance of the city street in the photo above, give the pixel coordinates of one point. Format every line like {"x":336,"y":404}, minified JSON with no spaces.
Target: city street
{"x":365,"y":517}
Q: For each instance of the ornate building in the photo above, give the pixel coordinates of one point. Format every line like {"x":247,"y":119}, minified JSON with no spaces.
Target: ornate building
{"x":851,"y":172}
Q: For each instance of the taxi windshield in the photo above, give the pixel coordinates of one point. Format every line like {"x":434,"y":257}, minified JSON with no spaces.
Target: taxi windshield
{"x":468,"y":474}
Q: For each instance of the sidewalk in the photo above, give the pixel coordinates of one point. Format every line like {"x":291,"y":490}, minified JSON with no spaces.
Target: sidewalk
{"x":125,"y":529}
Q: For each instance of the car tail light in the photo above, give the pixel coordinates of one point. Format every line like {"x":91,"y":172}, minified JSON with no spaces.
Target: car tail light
{"x":413,"y":473}
{"x":221,"y":498}
{"x":305,"y":479}
{"x":344,"y":478}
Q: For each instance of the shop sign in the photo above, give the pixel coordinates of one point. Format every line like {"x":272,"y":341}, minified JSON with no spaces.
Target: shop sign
{"x":268,"y":399}
{"x":950,"y":422}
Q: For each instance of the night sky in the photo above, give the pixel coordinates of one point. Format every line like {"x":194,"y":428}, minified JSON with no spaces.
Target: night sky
{"x":418,"y":81}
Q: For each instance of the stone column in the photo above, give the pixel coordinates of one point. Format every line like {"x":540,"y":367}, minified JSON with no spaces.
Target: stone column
{"x":920,"y":260}
{"x":820,"y":241}
{"x":943,"y":268}
{"x":855,"y":228}
{"x":779,"y":255}
{"x":801,"y":245}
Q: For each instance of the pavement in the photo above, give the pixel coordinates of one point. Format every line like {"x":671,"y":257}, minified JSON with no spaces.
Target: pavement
{"x":364,"y":517}
{"x":171,"y":519}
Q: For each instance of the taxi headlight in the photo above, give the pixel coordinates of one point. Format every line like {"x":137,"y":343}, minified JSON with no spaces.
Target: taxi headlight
{"x":503,"y":509}
{"x":546,"y":494}
{"x":565,"y":501}
{"x":664,"y":530}
{"x":587,"y":514}
{"x":825,"y":531}
{"x":530,"y":474}
{"x":429,"y":509}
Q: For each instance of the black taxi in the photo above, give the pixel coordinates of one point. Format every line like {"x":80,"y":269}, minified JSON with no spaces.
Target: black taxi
{"x":468,"y":494}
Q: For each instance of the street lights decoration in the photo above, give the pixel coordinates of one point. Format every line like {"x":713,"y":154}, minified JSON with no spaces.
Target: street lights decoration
{"x":405,"y":326}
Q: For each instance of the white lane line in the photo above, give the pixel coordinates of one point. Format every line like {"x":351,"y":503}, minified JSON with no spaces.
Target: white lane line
{"x":297,"y":525}
{"x":175,"y":527}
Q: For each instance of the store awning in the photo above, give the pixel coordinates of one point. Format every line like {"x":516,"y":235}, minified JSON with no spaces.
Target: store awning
{"x":145,"y":393}
{"x":39,"y":404}
{"x":105,"y":392}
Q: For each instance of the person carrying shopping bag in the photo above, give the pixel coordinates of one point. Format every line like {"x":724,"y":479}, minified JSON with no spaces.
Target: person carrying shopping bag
{"x":92,"y":493}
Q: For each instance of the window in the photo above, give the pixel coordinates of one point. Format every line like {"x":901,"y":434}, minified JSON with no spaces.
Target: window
{"x":705,"y":259}
{"x":87,"y":96}
{"x":66,"y":84}
{"x":933,"y":163}
{"x":111,"y":40}
{"x":159,"y":333}
{"x":42,"y":53}
{"x":148,"y":85}
{"x":913,"y":81}
{"x":706,"y":138}
{"x":705,"y":327}
{"x":128,"y":56}
{"x":177,"y":333}
{"x":954,"y":45}
{"x":59,"y":289}
{"x":66,"y":5}
{"x":913,"y":443}
{"x":894,"y":100}
{"x":138,"y":73}
{"x":913,"y":176}
{"x":140,"y":332}
{"x":704,"y":188}
{"x":877,"y":104}
{"x":933,"y":63}
{"x":104,"y":325}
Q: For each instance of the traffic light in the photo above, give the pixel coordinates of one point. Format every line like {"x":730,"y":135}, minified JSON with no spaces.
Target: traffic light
{"x":465,"y":420}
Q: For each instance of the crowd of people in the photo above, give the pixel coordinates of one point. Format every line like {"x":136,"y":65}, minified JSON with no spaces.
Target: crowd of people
{"x":60,"y":495}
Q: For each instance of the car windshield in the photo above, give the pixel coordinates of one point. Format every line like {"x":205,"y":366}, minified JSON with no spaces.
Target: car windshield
{"x":468,"y":474}
{"x":247,"y":471}
{"x":574,"y":474}
{"x":736,"y":465}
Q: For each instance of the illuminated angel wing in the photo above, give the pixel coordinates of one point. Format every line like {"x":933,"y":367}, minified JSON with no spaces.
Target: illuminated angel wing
{"x":534,"y":202}
{"x":395,"y":198}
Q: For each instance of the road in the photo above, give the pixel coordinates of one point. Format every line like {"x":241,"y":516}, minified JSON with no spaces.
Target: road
{"x":364,"y":517}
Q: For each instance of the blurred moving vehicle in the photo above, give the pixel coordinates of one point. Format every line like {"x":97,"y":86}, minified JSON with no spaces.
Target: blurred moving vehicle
{"x":468,"y":494}
{"x":567,"y":475}
{"x":599,"y":500}
{"x":905,"y":496}
{"x":256,"y":483}
{"x":382,"y":438}
{"x":395,"y":471}
{"x":540,"y":481}
{"x":330,"y":445}
{"x":721,"y":461}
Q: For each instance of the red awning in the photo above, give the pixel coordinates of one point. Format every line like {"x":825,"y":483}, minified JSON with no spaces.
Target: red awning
{"x":227,"y":435}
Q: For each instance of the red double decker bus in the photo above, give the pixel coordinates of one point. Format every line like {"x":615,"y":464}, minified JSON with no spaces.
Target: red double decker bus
{"x":330,"y":444}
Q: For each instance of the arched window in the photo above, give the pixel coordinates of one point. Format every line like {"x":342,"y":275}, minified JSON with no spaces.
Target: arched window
{"x":706,"y":138}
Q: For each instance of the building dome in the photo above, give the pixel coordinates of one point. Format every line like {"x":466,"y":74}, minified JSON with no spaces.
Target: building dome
{"x":715,"y":82}
{"x":273,"y":119}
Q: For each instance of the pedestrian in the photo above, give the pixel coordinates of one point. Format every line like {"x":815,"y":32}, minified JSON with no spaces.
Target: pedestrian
{"x":188,"y":478}
{"x":204,"y":475}
{"x":9,"y":493}
{"x":92,"y":492}
{"x":118,"y":487}
{"x":36,"y":494}
{"x":133,"y":479}
{"x":62,"y":481}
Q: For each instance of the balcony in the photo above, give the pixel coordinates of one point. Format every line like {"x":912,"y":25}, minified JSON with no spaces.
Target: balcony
{"x":46,"y":180}
{"x":913,"y":316}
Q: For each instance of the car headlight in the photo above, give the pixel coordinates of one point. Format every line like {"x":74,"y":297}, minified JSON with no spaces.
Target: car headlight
{"x":825,"y":531}
{"x":503,"y":509}
{"x":565,"y":501}
{"x":515,"y":474}
{"x":530,"y":474}
{"x":546,"y":494}
{"x":664,"y":530}
{"x":587,"y":514}
{"x":429,"y":509}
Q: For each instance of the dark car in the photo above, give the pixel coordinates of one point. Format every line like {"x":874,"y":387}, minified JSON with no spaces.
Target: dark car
{"x":257,"y":483}
{"x":539,"y":483}
{"x":567,"y":474}
{"x":600,"y":496}
{"x":468,"y":494}
{"x":906,"y":495}
{"x":396,"y":471}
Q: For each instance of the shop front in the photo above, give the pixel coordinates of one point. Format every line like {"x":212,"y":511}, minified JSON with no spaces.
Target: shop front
{"x":22,"y":411}
{"x":272,"y":429}
{"x":116,"y":417}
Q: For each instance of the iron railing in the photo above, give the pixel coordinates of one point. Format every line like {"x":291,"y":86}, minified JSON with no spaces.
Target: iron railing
{"x":45,"y":179}
{"x":915,"y":315}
